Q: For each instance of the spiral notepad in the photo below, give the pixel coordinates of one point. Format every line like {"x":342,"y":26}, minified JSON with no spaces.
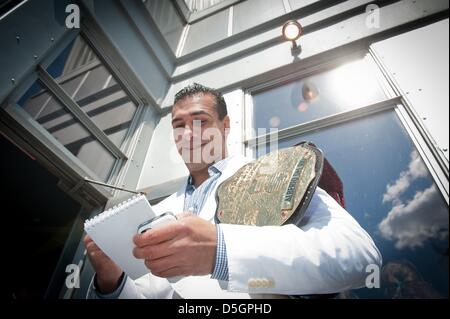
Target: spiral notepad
{"x":113,"y":232}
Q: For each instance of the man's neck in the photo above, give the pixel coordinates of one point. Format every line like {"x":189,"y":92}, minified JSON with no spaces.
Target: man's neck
{"x":198,"y":177}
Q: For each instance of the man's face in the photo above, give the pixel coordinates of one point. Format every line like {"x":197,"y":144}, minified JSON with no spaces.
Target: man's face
{"x":199,"y":134}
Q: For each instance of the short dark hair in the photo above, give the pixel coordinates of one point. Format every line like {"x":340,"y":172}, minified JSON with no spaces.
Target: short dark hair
{"x":194,"y":89}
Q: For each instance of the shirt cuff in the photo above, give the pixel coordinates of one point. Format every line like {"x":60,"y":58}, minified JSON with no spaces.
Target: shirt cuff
{"x":113,"y":295}
{"x":221,"y":268}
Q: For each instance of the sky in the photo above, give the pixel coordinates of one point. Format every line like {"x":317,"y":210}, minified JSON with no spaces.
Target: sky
{"x":389,"y":191}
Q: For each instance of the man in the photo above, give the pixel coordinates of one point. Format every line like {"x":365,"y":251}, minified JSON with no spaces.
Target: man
{"x":328,"y":253}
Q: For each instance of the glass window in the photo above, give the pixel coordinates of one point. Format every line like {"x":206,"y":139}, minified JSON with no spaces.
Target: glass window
{"x":47,"y":111}
{"x":207,"y":31}
{"x":347,"y":87}
{"x":390,"y":192}
{"x":199,"y":5}
{"x":94,"y":89}
{"x":167,"y":19}
{"x":251,"y":13}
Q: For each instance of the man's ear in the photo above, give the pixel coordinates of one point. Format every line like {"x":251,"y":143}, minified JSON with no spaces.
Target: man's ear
{"x":226,"y":123}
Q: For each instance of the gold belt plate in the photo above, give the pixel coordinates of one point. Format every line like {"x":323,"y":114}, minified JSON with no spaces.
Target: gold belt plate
{"x":272,"y":189}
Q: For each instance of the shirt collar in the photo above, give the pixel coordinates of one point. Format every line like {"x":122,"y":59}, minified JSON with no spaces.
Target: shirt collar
{"x":216,"y":168}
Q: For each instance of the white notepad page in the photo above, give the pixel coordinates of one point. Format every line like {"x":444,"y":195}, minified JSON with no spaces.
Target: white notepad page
{"x":114,"y":229}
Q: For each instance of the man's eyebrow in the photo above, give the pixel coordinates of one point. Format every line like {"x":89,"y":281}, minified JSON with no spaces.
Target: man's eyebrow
{"x":200,"y":113}
{"x":192,"y":114}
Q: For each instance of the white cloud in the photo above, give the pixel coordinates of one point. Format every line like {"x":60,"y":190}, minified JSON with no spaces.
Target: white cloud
{"x":411,"y":224}
{"x":416,"y":169}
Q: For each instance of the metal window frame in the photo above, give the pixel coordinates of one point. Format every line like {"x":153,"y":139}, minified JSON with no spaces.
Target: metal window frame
{"x":19,"y":125}
{"x":310,"y":70}
{"x":313,"y":69}
{"x":182,"y":41}
{"x":100,"y":48}
{"x":230,"y":21}
{"x":131,"y":140}
{"x":47,"y":147}
{"x":35,"y":139}
{"x":423,"y":148}
{"x":76,"y":72}
{"x":396,"y":104}
{"x":395,"y":101}
{"x":101,"y":45}
{"x":324,"y":122}
{"x":415,"y":118}
{"x":77,"y":112}
{"x":128,"y":145}
{"x":435,"y":161}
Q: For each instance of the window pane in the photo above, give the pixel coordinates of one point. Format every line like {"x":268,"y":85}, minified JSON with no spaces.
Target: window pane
{"x":199,"y":5}
{"x":390,"y":192}
{"x":251,"y":13}
{"x":347,"y":87}
{"x":207,"y":31}
{"x":75,"y":55}
{"x":167,"y":19}
{"x":47,"y":111}
{"x":88,"y":82}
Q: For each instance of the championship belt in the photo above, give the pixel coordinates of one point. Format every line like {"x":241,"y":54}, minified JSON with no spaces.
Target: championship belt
{"x":273,"y":190}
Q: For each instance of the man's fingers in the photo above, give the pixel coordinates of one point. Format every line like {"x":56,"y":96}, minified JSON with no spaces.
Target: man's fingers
{"x":158,"y":235}
{"x":91,"y":246}
{"x":87,"y":239}
{"x":161,"y":264}
{"x":164,"y":267}
{"x":97,"y":254}
{"x":176,"y":271}
{"x":94,"y":251}
{"x":152,"y":252}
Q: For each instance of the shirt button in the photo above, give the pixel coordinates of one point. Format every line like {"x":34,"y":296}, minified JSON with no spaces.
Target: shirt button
{"x":259,"y":283}
{"x":265,"y":283}
{"x":251,"y":283}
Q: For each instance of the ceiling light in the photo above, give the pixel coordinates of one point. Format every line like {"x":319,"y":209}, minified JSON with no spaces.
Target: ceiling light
{"x":292,"y":30}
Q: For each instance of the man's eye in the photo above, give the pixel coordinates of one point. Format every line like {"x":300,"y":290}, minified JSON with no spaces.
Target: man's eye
{"x":199,"y":122}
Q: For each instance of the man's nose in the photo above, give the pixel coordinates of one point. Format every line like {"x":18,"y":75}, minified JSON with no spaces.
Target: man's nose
{"x":193,"y":130}
{"x":187,"y":133}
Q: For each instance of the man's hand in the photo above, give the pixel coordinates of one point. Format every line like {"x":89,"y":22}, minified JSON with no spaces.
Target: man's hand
{"x":183,"y":248}
{"x":108,"y":273}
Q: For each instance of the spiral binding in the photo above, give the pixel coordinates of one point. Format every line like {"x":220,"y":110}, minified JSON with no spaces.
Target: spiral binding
{"x":113,"y":211}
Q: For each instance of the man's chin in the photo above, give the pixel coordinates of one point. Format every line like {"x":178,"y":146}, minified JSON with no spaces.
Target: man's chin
{"x":195,"y":159}
{"x":193,"y":148}
{"x":194,"y":167}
